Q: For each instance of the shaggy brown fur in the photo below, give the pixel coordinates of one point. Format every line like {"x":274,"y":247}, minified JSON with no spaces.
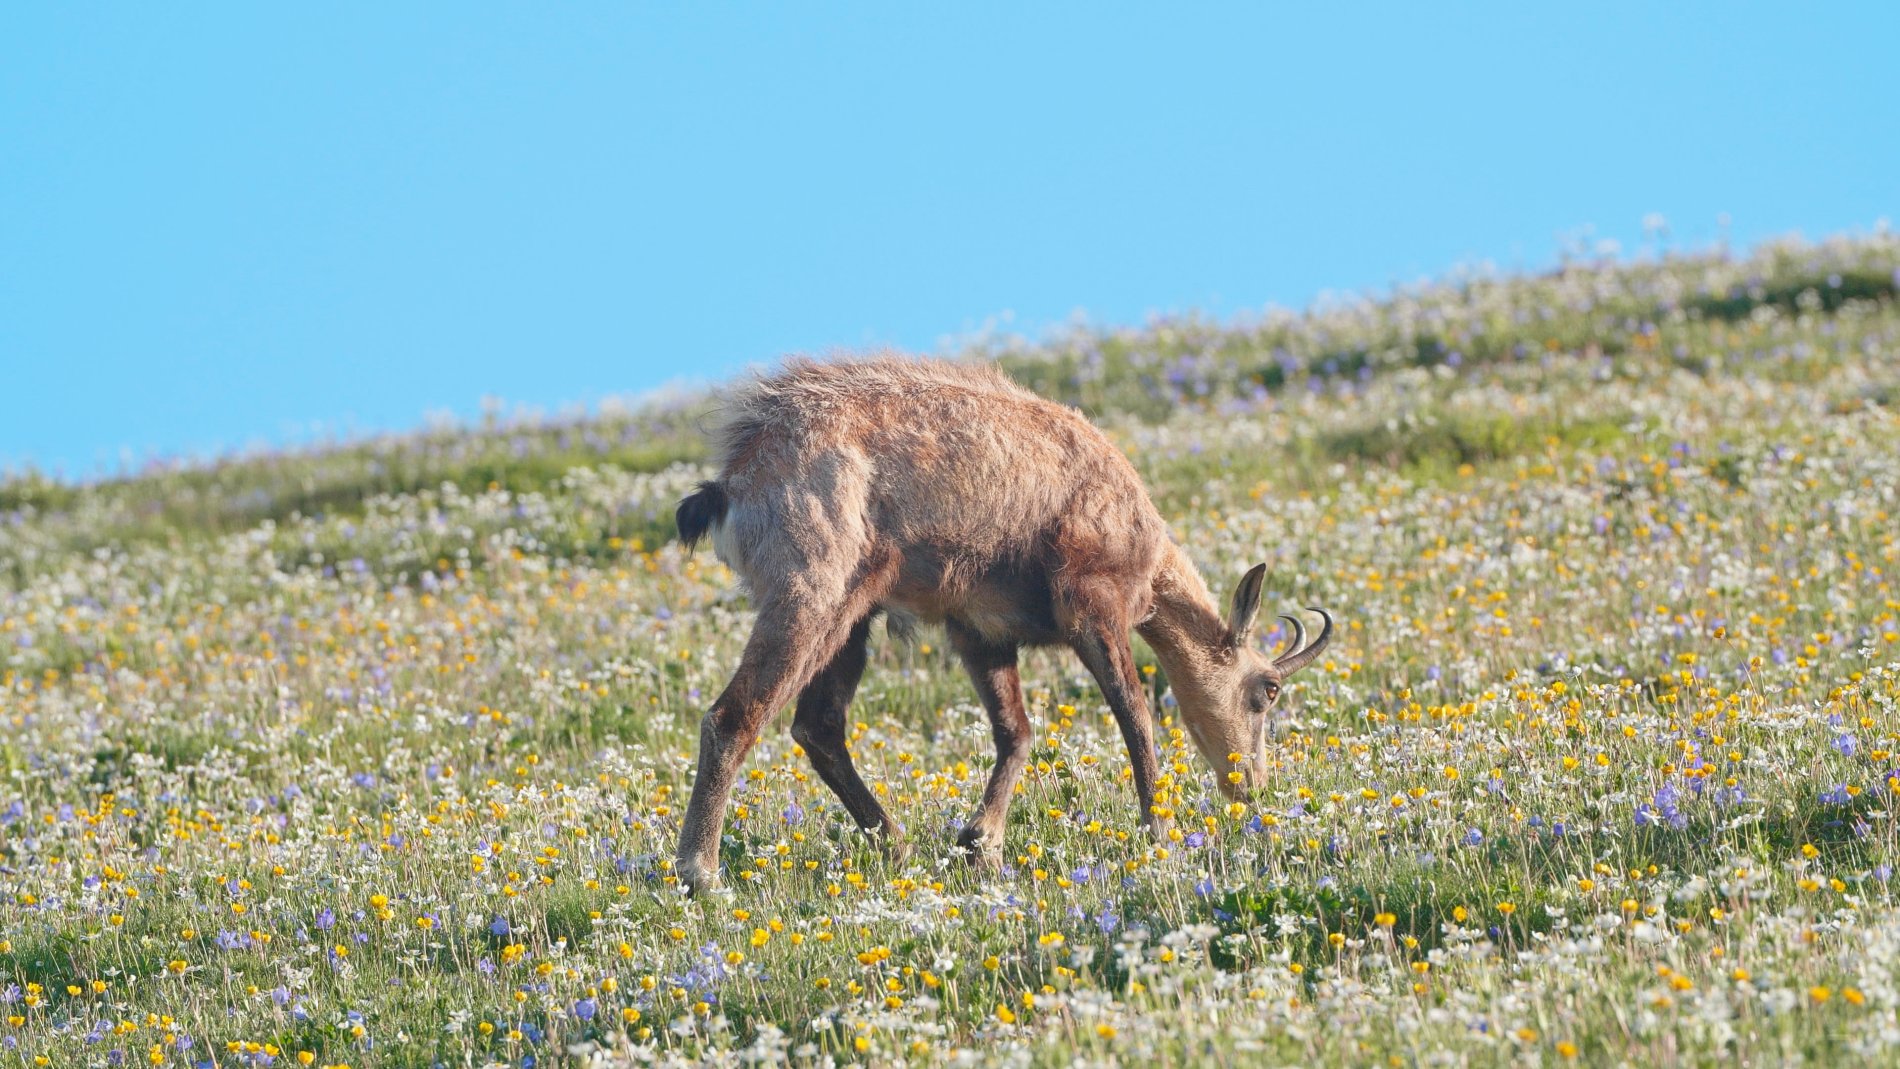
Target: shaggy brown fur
{"x":944,"y":492}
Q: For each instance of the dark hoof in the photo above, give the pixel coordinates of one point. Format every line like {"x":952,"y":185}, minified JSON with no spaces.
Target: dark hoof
{"x":697,"y":880}
{"x":979,"y":850}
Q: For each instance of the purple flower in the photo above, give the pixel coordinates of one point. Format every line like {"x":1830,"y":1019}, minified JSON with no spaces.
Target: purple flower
{"x":1664,"y":807}
{"x":584,"y":1009}
{"x":499,"y":926}
{"x":1846,"y":744}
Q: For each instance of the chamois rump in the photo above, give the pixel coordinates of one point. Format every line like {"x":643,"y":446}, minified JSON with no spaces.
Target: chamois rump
{"x":944,"y":492}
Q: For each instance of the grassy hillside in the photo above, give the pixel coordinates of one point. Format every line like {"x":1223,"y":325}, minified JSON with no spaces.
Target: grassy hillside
{"x":375,"y":756}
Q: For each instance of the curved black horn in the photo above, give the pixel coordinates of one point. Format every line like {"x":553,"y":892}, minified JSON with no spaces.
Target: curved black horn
{"x":1293,"y":662}
{"x":1299,"y":637}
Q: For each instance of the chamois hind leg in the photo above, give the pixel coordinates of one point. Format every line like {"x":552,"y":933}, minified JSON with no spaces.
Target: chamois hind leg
{"x":793,"y":640}
{"x":1102,"y":644}
{"x":992,"y":668}
{"x":819,"y":726}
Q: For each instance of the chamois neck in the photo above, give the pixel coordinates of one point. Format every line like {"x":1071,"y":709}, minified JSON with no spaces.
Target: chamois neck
{"x":1186,"y":629}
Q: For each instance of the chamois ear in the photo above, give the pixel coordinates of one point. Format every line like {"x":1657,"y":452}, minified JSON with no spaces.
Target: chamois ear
{"x":1246,"y":605}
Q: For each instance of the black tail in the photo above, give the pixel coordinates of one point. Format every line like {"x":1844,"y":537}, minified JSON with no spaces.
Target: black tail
{"x":698,"y":512}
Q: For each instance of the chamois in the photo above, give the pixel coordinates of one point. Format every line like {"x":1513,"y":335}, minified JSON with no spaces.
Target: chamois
{"x":944,"y":492}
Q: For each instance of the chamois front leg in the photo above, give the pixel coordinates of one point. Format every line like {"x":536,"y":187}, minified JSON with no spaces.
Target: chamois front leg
{"x":1105,"y":652}
{"x":992,"y":668}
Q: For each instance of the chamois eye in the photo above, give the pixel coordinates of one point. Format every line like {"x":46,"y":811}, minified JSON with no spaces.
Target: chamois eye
{"x":1270,"y":691}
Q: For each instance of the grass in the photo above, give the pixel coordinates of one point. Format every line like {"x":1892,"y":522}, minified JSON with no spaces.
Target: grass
{"x":375,"y":754}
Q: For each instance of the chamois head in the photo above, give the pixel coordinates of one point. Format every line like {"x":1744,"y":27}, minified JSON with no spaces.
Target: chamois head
{"x":1228,"y":709}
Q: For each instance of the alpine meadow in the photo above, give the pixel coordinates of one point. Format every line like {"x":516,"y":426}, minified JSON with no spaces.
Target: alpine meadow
{"x":377,"y":754}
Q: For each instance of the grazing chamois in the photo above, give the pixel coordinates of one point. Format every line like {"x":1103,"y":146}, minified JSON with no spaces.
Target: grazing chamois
{"x":944,"y":492}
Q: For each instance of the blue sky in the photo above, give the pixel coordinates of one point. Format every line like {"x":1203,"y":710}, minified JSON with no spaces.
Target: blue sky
{"x":224,"y":227}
